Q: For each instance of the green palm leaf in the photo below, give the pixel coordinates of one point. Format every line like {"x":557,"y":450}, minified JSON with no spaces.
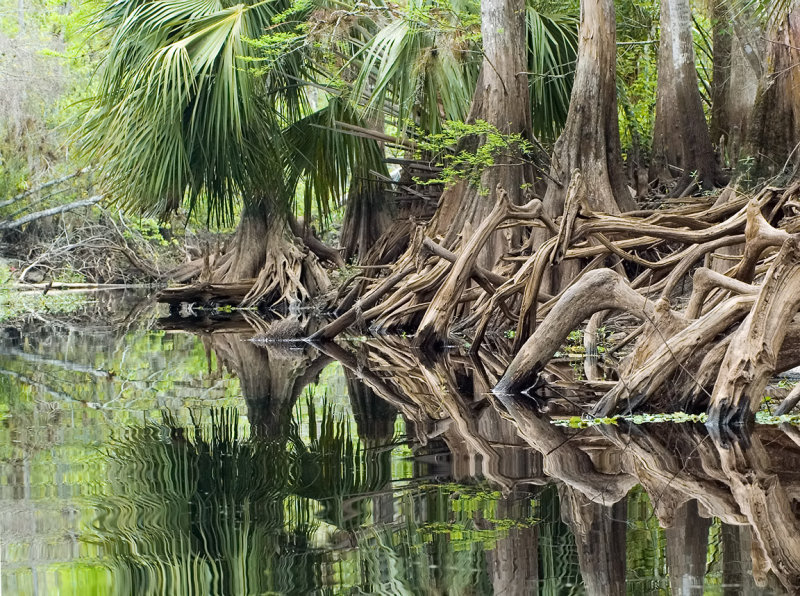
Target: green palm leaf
{"x":179,"y":115}
{"x":424,"y":65}
{"x":328,"y":160}
{"x":552,"y":52}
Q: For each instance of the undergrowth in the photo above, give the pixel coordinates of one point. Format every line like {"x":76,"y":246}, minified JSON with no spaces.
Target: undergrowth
{"x":15,"y":304}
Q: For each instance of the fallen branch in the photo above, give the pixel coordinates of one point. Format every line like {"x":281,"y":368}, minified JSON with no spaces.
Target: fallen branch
{"x":17,"y":223}
{"x":41,"y":187}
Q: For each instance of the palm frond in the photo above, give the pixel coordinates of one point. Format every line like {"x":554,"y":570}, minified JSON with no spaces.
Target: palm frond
{"x":769,"y":11}
{"x":552,"y":52}
{"x":178,"y":115}
{"x":327,"y":160}
{"x":424,"y":65}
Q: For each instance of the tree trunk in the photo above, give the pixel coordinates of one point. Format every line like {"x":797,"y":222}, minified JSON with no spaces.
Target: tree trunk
{"x":775,"y":130}
{"x":513,"y":562}
{"x":501,"y":99}
{"x":265,"y":250}
{"x":271,"y":379}
{"x":722,"y":32}
{"x":367,"y":216}
{"x":590,"y":141}
{"x":680,"y":133}
{"x":738,"y":68}
{"x":369,"y":210}
{"x":374,"y":416}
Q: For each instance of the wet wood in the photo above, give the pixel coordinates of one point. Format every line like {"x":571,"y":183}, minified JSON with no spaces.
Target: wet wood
{"x":341,"y":323}
{"x":752,"y":356}
{"x":598,"y":290}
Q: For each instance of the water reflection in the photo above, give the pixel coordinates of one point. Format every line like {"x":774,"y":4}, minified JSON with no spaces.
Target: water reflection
{"x":166,"y":462}
{"x":203,"y":510}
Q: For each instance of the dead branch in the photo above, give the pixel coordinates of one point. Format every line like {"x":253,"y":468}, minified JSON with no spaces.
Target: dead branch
{"x":44,"y":186}
{"x":18,"y":223}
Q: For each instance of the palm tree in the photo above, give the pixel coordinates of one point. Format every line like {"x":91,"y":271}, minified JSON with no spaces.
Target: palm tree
{"x":187,"y":114}
{"x":190,"y":111}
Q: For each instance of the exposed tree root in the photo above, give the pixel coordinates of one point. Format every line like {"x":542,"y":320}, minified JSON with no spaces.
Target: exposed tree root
{"x":727,"y":340}
{"x":266,"y":263}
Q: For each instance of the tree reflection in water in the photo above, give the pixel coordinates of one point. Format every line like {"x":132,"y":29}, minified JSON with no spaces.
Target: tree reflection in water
{"x":747,"y":483}
{"x":500,"y":500}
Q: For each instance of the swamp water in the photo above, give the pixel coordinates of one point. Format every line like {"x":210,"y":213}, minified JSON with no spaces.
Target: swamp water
{"x":140,"y":458}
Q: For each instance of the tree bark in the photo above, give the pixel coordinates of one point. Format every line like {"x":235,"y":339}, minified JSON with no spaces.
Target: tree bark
{"x":775,"y":125}
{"x":722,"y":32}
{"x":600,"y":532}
{"x":513,"y":562}
{"x":367,"y":216}
{"x":501,"y":99}
{"x":265,"y":250}
{"x":738,"y":68}
{"x":590,"y":141}
{"x":752,"y":356}
{"x":271,"y":379}
{"x":680,"y":134}
{"x":18,"y":223}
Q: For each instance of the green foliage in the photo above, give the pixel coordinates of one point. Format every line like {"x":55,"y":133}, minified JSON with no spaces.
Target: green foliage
{"x":464,"y":151}
{"x":324,"y":163}
{"x":552,"y":52}
{"x":575,"y":341}
{"x":151,"y":230}
{"x":195,"y":106}
{"x":637,"y":60}
{"x":177,"y":116}
{"x":468,"y":504}
{"x":45,"y":62}
{"x":424,"y":62}
{"x":15,"y":305}
{"x":676,"y":417}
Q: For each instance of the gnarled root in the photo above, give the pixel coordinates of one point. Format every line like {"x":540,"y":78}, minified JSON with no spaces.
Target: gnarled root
{"x":265,"y":264}
{"x":752,"y":356}
{"x":598,"y":290}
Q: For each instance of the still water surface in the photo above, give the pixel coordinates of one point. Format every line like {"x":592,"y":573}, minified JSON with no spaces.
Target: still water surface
{"x":135,"y":459}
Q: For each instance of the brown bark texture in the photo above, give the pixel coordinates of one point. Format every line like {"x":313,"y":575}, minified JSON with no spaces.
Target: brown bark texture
{"x":688,"y":337}
{"x":502,"y":100}
{"x":775,"y":123}
{"x":680,"y":137}
{"x":590,"y":141}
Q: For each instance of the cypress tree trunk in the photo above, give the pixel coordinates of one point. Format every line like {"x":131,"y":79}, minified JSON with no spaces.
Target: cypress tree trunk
{"x":367,"y":216}
{"x":590,"y":141}
{"x":271,"y":378}
{"x":722,"y":32}
{"x":265,"y":251}
{"x":501,"y":99}
{"x":680,"y":135}
{"x":775,"y":130}
{"x":738,"y":68}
